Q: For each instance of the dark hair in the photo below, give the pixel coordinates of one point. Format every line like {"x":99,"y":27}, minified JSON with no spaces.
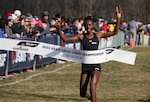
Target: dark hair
{"x":2,"y":24}
{"x":57,"y":15}
{"x":63,"y":18}
{"x":88,"y":18}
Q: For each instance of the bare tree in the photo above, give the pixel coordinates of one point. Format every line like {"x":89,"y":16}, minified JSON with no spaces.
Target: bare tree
{"x":139,"y":9}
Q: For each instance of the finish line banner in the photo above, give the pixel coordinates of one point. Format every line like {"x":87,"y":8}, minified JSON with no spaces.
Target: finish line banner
{"x":59,"y":52}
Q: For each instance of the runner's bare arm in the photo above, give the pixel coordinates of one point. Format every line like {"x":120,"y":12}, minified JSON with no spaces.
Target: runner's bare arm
{"x":62,"y":35}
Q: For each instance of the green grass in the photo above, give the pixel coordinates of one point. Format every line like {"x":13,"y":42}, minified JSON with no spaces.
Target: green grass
{"x":118,"y":83}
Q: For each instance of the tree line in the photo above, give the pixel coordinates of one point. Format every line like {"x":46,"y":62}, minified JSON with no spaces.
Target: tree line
{"x":137,"y":9}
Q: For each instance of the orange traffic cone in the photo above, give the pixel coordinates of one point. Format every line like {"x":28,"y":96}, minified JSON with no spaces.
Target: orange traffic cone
{"x":29,"y":70}
{"x":131,"y":43}
{"x":10,"y":75}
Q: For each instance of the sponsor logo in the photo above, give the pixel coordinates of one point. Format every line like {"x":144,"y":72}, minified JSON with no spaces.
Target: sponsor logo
{"x":21,"y":48}
{"x":108,"y":51}
{"x":97,"y":69}
{"x":28,"y":44}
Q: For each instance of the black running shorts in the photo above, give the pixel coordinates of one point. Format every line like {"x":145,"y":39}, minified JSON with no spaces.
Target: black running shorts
{"x":88,"y":68}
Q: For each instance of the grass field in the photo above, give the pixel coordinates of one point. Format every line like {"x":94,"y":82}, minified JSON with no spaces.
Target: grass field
{"x":60,"y":82}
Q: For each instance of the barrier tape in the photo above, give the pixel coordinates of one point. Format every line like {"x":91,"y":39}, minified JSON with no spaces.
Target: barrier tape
{"x":59,"y":52}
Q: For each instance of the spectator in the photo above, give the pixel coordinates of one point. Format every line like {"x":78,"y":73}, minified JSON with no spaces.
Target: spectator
{"x":69,"y":26}
{"x":34,"y":29}
{"x":111,"y":26}
{"x":75,"y":26}
{"x":45,"y":22}
{"x":63,"y":22}
{"x":8,"y":29}
{"x":53,"y":22}
{"x":39,"y":24}
{"x":105,"y":26}
{"x":17,"y":27}
{"x":146,"y":34}
{"x":26,"y":25}
{"x":38,"y":21}
{"x":2,"y":26}
{"x":132,"y":27}
{"x":125,"y":30}
{"x":29,"y":16}
{"x":8,"y":14}
{"x":98,"y":25}
{"x":17,"y":13}
{"x":81,"y":26}
{"x":68,"y":29}
{"x":141,"y":34}
{"x":58,"y":17}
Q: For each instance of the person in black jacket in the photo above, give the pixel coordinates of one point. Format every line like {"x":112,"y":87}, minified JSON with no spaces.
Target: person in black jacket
{"x":45,"y":22}
{"x":17,"y":27}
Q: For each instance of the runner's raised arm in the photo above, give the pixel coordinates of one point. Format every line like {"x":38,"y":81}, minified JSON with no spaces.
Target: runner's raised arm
{"x":108,"y":34}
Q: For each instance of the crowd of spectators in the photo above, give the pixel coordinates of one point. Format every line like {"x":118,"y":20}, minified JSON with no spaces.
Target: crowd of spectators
{"x":137,"y":31}
{"x":17,"y":25}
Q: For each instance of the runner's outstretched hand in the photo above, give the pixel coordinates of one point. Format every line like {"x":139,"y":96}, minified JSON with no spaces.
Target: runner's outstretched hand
{"x":118,"y":12}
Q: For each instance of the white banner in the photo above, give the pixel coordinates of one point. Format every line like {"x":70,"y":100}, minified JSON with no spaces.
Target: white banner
{"x":80,"y":56}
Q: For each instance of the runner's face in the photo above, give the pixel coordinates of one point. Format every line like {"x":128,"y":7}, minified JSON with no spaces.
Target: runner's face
{"x":89,"y":25}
